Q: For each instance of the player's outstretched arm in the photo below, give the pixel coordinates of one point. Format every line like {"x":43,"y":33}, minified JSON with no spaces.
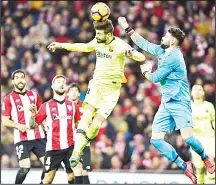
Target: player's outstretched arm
{"x":144,"y":44}
{"x":77,"y":47}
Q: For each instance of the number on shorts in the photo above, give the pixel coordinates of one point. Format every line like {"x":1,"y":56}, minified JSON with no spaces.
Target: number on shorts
{"x":19,"y":150}
{"x":48,"y":162}
{"x":88,"y":91}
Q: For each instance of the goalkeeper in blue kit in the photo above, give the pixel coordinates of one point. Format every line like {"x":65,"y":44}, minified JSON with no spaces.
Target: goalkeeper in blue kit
{"x":175,"y":111}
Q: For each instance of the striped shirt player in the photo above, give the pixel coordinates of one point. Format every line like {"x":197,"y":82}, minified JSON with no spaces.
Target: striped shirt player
{"x":60,"y":118}
{"x":16,"y":105}
{"x":60,"y":114}
{"x":16,"y":114}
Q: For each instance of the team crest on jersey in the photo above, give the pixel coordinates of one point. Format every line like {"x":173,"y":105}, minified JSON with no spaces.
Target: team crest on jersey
{"x":111,"y":48}
{"x":69,"y":107}
{"x":20,"y":108}
{"x":53,"y":109}
{"x":31,"y":97}
{"x":17,"y":100}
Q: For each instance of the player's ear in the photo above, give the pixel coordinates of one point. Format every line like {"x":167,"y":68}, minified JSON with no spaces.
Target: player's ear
{"x":13,"y":82}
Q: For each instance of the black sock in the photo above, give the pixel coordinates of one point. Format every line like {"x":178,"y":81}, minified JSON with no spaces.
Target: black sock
{"x":78,"y":179}
{"x":86,"y":179}
{"x":21,"y":175}
{"x":71,"y":182}
{"x":42,"y":176}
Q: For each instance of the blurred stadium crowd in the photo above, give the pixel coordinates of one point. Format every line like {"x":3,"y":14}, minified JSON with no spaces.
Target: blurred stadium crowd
{"x":123,"y":142}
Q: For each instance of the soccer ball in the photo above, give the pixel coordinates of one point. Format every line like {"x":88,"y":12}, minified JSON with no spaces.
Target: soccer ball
{"x":100,"y":12}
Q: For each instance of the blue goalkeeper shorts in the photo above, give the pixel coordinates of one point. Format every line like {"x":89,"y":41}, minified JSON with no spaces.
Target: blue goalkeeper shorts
{"x":173,"y":115}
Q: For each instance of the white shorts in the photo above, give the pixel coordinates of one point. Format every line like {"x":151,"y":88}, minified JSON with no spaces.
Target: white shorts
{"x":103,"y":97}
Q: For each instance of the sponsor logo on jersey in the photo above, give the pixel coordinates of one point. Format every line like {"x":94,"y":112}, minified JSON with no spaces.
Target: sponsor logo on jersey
{"x":103,"y":55}
{"x":55,"y":117}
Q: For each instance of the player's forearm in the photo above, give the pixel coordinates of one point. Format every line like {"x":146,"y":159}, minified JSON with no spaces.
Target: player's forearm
{"x":138,"y":40}
{"x":32,"y":123}
{"x":9,"y":123}
{"x":138,"y":56}
{"x":78,"y":47}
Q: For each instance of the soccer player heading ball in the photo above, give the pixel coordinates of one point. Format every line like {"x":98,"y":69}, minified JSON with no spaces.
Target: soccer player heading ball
{"x":104,"y":89}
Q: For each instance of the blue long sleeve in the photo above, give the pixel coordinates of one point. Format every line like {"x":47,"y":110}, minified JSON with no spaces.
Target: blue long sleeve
{"x":147,"y":46}
{"x":169,"y":65}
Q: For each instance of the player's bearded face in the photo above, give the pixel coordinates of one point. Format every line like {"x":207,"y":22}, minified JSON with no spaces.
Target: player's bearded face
{"x":59,"y":86}
{"x":100,"y":36}
{"x":19,"y":81}
{"x":165,"y":41}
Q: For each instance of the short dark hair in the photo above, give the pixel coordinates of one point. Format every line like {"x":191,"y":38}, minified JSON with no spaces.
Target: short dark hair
{"x":58,"y":76}
{"x":17,"y":71}
{"x":178,"y":34}
{"x":72,"y":85}
{"x":106,"y":25}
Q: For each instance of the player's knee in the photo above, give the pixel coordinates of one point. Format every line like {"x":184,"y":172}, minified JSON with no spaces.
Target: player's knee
{"x":84,"y":173}
{"x":25,"y":163}
{"x":186,"y":132}
{"x":158,"y":135}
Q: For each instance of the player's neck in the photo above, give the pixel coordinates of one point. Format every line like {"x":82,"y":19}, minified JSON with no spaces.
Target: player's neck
{"x":20,"y":91}
{"x":172,"y":48}
{"x":59,"y":97}
{"x":198,"y":101}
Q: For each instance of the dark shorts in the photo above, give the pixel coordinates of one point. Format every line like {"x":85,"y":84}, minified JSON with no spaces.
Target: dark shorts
{"x":86,"y":159}
{"x":53,"y":159}
{"x":24,"y":148}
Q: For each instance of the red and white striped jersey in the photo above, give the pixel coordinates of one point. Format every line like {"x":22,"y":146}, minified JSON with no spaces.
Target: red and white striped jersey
{"x":60,"y":118}
{"x":16,"y":105}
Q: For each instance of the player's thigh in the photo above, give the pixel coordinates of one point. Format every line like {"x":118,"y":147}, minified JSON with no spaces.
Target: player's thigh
{"x":23,"y":150}
{"x":52,"y":161}
{"x":66,"y":161}
{"x":163,"y":122}
{"x":86,"y":157}
{"x":181,"y":112}
{"x":39,"y":147}
{"x":109,"y":99}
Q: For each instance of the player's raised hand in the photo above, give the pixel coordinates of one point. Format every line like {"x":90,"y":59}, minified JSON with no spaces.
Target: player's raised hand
{"x":123,"y":22}
{"x":21,"y":127}
{"x":32,"y":109}
{"x":53,"y":46}
{"x":146,"y":67}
